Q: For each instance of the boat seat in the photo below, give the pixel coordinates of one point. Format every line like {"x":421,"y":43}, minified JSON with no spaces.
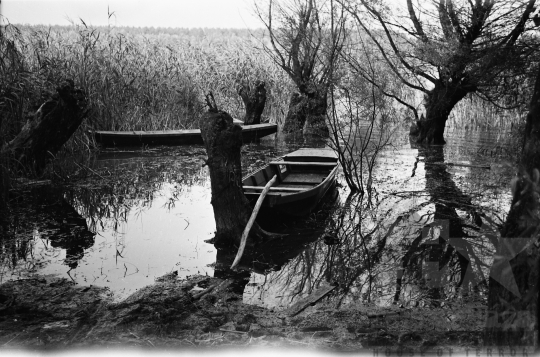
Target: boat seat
{"x":254,"y":194}
{"x":302,"y":178}
{"x":303,"y":163}
{"x":307,"y":186}
{"x":286,"y":189}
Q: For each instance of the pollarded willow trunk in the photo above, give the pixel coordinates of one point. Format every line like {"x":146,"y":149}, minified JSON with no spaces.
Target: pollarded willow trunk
{"x":512,"y":307}
{"x":307,"y":113}
{"x":514,"y":282}
{"x":4,"y":189}
{"x":254,"y":98}
{"x":296,"y":116}
{"x":52,"y":125}
{"x":439,"y":103}
{"x":530,"y":156}
{"x":316,"y":118}
{"x":232,"y":210}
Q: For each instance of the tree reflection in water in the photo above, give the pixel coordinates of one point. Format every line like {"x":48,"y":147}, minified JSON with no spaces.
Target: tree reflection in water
{"x":449,"y":254}
{"x":53,"y":218}
{"x":355,"y":242}
{"x":42,"y":214}
{"x":406,"y":247}
{"x":378,"y":251}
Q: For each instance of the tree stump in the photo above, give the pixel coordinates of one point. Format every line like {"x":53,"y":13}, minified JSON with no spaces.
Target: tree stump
{"x":232,"y":210}
{"x":53,"y":124}
{"x":254,"y":98}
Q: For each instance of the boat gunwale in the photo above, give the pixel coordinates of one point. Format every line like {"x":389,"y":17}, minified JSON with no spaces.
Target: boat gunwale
{"x":172,"y":132}
{"x":250,"y":133}
{"x":305,"y":192}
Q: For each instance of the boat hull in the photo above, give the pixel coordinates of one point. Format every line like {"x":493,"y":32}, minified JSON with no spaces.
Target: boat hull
{"x":299,"y":206}
{"x":250,"y":133}
{"x":302,"y":182}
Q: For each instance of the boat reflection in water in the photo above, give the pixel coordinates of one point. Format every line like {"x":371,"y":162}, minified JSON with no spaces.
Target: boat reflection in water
{"x":298,"y":233}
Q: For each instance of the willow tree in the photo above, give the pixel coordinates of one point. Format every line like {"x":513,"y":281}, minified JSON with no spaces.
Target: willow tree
{"x":305,"y":40}
{"x":447,"y":49}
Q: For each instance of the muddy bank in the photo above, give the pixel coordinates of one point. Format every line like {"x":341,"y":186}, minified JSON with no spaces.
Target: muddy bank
{"x":47,"y":312}
{"x":203,"y":312}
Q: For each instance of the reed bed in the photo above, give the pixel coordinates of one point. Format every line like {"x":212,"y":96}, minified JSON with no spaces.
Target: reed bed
{"x":134,"y":79}
{"x":474,"y":113}
{"x":155,"y":79}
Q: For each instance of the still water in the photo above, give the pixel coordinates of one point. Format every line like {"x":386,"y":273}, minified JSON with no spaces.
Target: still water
{"x":145,"y":213}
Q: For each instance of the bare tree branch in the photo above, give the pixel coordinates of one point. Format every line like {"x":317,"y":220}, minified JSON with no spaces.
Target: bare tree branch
{"x":415,"y":21}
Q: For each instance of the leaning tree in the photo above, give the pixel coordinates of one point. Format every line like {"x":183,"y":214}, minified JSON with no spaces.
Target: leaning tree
{"x":305,"y":40}
{"x":447,"y":49}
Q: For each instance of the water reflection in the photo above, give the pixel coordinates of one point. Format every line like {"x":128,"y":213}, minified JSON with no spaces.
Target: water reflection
{"x":152,"y":215}
{"x":426,"y":234}
{"x":440,"y":257}
{"x":354,"y":242}
{"x":297,"y":235}
{"x":69,"y":231}
{"x":135,"y":185}
{"x":42,"y":221}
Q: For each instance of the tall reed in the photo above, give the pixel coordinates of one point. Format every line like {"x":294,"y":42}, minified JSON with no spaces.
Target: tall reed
{"x":472,"y":112}
{"x":136,"y":80}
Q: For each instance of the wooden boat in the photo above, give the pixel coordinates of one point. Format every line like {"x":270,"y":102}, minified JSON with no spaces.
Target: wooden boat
{"x":304,"y":176}
{"x":250,"y":133}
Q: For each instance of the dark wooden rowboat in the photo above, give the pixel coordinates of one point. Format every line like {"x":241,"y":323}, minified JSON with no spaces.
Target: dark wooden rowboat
{"x":250,"y":133}
{"x":304,"y":176}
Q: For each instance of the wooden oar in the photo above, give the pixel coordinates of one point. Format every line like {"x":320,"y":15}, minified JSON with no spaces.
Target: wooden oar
{"x":251,"y":220}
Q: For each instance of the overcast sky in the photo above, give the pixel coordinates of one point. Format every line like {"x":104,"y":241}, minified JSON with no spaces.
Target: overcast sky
{"x":157,"y":13}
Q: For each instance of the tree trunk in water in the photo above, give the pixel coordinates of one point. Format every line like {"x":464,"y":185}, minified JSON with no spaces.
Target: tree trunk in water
{"x":514,"y":276}
{"x":439,"y":103}
{"x":254,"y":99}
{"x":53,"y":124}
{"x":296,"y":116}
{"x":232,"y":210}
{"x":307,"y":112}
{"x":530,"y":156}
{"x":4,"y":190}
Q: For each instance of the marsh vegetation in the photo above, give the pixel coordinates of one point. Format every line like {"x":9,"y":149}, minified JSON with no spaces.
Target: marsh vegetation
{"x":409,"y":236}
